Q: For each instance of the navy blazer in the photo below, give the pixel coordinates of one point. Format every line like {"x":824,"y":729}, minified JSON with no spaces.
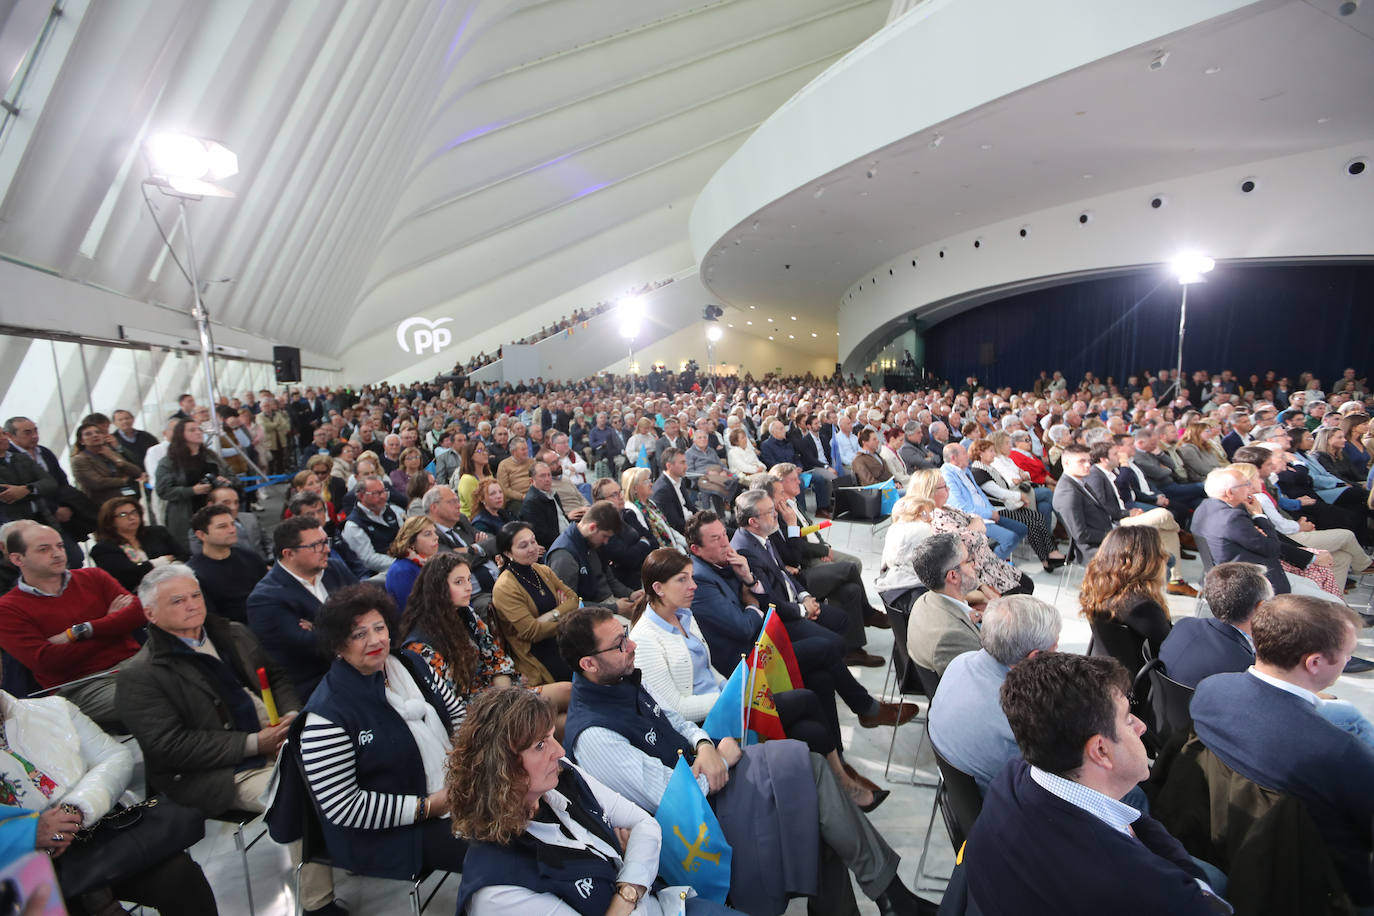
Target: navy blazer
{"x":662,"y":495}
{"x":1234,"y":536}
{"x":810,"y":458}
{"x":1199,"y":647}
{"x":539,"y":511}
{"x":772,"y":576}
{"x":276,"y":608}
{"x":1280,"y":741}
{"x":1018,"y":847}
{"x":728,"y":627}
{"x":1230,"y":442}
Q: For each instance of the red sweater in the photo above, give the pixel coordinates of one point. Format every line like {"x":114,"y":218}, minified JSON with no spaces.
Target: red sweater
{"x":26,"y":622}
{"x":1031,"y":465}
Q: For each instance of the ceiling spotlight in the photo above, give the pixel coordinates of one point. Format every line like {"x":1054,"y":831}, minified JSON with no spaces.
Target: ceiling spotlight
{"x":189,"y":165}
{"x":713,"y":333}
{"x":1347,"y":7}
{"x":794,"y":317}
{"x":770,"y":336}
{"x":1211,"y":71}
{"x":1160,"y":59}
{"x":818,"y":192}
{"x":985,"y":146}
{"x":750,"y":323}
{"x":813,"y":333}
{"x":873,"y":172}
{"x":936,"y":141}
{"x":791,"y":336}
{"x":630,"y":311}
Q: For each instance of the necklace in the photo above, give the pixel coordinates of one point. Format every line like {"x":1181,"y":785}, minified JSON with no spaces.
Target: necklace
{"x":536,"y":586}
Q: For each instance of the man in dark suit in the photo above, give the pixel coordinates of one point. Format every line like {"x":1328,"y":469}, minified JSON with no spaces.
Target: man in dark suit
{"x":1199,"y":647}
{"x":73,"y":509}
{"x":1233,"y":524}
{"x":913,"y":453}
{"x":670,"y":492}
{"x":1082,"y":754}
{"x":540,"y":507}
{"x":1270,"y":725}
{"x":456,"y":535}
{"x":730,"y":613}
{"x":1085,"y":517}
{"x":282,"y":608}
{"x":672,"y":438}
{"x":1239,"y":434}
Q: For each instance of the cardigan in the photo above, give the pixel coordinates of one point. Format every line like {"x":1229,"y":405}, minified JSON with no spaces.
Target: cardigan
{"x":521,"y":626}
{"x":666,"y":664}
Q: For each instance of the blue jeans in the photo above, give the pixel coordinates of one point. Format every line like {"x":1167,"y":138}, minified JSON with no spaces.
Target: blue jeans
{"x":1005,"y":535}
{"x":1044,"y":497}
{"x":821,"y":479}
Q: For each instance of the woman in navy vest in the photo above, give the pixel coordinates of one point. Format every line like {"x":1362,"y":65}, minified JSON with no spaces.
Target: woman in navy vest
{"x":374,"y":744}
{"x":544,"y":834}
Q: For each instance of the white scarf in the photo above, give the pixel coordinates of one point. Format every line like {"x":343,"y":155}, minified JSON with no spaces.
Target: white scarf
{"x":404,"y":696}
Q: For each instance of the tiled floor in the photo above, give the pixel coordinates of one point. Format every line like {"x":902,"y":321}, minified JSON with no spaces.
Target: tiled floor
{"x":902,"y":819}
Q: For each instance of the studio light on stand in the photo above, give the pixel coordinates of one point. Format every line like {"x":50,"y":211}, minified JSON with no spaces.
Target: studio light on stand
{"x":188,"y":168}
{"x":630,"y":313}
{"x":1189,"y":268}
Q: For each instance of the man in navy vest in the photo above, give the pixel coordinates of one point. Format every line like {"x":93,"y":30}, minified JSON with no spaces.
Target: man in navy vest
{"x":372,"y":526}
{"x":621,"y":735}
{"x":1060,"y":805}
{"x":575,"y":557}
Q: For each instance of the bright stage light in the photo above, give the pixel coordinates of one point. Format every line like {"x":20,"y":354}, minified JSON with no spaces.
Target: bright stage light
{"x":190,"y":165}
{"x":630,"y":311}
{"x":1190,"y":266}
{"x":714,"y":333}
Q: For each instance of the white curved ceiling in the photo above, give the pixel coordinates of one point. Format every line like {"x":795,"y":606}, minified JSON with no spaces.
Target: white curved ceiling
{"x":467,"y":158}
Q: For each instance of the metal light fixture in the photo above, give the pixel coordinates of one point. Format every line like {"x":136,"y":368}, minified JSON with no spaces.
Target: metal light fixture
{"x":190,"y":166}
{"x":1189,"y":267}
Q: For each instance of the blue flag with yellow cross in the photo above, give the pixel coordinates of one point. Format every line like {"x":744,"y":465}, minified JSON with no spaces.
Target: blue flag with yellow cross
{"x":694,"y":851}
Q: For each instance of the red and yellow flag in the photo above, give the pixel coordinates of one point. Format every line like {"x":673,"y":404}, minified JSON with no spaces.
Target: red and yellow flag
{"x":775,"y":671}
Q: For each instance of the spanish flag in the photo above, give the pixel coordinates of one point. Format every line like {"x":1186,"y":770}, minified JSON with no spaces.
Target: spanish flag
{"x":774,"y":671}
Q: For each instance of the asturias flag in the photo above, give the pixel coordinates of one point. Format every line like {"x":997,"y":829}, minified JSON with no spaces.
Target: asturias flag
{"x":726,"y":718}
{"x":694,"y":850}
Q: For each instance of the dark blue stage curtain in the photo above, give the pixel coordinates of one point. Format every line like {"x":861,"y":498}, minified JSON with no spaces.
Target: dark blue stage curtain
{"x":1248,"y":318}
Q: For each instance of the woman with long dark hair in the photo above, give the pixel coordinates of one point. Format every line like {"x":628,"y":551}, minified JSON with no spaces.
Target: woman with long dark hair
{"x":186,"y":475}
{"x":472,"y":471}
{"x":441,"y":627}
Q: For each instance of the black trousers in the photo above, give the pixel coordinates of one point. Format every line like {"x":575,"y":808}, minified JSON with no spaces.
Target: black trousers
{"x":819,"y":648}
{"x":838,"y":583}
{"x":803,"y":718}
{"x":174,"y":887}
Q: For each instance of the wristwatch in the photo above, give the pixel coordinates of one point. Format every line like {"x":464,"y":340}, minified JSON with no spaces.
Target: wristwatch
{"x":629,"y":893}
{"x":81,"y":631}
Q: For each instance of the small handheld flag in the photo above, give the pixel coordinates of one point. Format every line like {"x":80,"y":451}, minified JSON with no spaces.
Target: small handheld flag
{"x":808,"y":530}
{"x":726,"y":718}
{"x":694,"y":850}
{"x":267,"y":700}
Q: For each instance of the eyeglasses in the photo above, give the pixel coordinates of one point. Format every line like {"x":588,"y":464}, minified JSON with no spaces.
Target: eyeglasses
{"x":617,"y":646}
{"x":129,"y":512}
{"x":316,"y":546}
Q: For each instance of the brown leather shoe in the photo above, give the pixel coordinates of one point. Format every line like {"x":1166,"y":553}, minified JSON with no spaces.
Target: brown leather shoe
{"x":1185,"y":539}
{"x":863,"y":659}
{"x":860,"y":779}
{"x":1179,"y":587}
{"x":823,"y":513}
{"x":877,"y":620}
{"x":890,"y":714}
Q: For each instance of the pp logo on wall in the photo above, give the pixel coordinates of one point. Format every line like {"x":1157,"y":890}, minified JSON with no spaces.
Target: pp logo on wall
{"x":427,"y":335}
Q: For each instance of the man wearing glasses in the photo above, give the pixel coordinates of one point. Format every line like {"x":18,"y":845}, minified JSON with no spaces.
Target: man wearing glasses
{"x":281,"y":609}
{"x":622,"y":736}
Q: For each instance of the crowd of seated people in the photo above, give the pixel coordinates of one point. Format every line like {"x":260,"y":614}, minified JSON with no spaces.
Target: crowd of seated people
{"x":451,"y":548}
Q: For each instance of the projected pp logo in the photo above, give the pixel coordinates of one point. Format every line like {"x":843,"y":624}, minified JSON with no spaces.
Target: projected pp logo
{"x":423,"y":334}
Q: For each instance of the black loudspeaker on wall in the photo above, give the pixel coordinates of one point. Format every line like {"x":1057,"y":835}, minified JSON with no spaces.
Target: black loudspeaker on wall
{"x":287,"y":362}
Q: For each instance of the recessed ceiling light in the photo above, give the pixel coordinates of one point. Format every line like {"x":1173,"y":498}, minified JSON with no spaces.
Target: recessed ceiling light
{"x":863,"y":193}
{"x":985,"y":146}
{"x":753,"y":306}
{"x":1087,"y":176}
{"x":749,"y":323}
{"x":819,"y":191}
{"x":936,"y":141}
{"x":1322,"y":120}
{"x":813,"y":333}
{"x":791,"y":336}
{"x":794,"y":317}
{"x":1079,"y":114}
{"x":770,"y":336}
{"x":729,"y":325}
{"x":837,"y":333}
{"x":1210,"y":70}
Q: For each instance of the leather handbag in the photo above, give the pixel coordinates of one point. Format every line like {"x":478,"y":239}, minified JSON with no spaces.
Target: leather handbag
{"x":127,"y":841}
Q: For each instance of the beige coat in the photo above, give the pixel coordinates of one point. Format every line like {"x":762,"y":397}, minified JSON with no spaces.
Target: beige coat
{"x":520,"y":627}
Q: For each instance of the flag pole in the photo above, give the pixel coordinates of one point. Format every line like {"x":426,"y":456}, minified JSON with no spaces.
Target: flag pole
{"x":749,"y":695}
{"x":745,"y":697}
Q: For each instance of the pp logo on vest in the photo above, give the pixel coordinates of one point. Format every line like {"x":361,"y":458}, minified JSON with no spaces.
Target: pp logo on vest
{"x":584,"y":887}
{"x":365,"y":737}
{"x":428,"y":335}
{"x":652,"y":737}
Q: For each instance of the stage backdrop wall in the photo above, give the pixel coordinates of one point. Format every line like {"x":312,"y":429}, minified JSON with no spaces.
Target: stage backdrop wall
{"x":1248,"y":318}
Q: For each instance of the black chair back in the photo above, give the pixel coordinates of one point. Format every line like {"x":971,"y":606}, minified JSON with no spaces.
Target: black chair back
{"x":930,"y":681}
{"x":858,"y":504}
{"x":959,"y":800}
{"x":898,"y":615}
{"x":1169,"y":699}
{"x":1204,"y":553}
{"x":1120,"y":642}
{"x":15,"y":679}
